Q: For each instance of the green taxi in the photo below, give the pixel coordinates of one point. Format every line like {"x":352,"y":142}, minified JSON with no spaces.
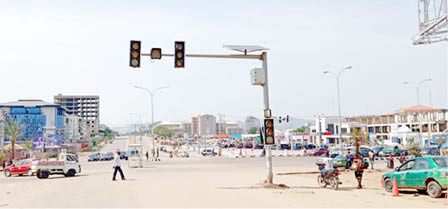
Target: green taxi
{"x":341,"y":161}
{"x":425,"y":174}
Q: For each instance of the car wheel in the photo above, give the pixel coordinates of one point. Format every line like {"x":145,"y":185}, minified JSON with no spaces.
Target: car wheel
{"x":71,"y":173}
{"x":8,"y":173}
{"x":434,"y":190}
{"x":44,"y":174}
{"x":388,"y":184}
{"x":29,"y":172}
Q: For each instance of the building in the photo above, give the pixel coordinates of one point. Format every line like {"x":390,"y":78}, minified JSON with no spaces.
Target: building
{"x":176,"y":127}
{"x":417,"y":124}
{"x":326,"y":130}
{"x":83,"y":106}
{"x":203,"y":125}
{"x":251,"y":122}
{"x":36,"y":117}
{"x":187,"y":129}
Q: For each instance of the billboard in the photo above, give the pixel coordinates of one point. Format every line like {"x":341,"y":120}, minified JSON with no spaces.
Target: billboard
{"x":51,"y":142}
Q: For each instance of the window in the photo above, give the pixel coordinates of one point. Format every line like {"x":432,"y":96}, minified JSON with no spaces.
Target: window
{"x":407,"y":165}
{"x":421,"y":163}
{"x":441,"y":161}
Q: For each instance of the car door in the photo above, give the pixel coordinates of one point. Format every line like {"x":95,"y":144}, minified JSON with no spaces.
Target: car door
{"x":417,"y":175}
{"x":402,"y":171}
{"x":24,"y":167}
{"x":16,"y":168}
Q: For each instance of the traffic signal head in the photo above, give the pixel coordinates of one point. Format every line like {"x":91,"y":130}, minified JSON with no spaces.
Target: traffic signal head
{"x":287,"y":118}
{"x":179,"y":54}
{"x":269,"y":131}
{"x":135,"y":54}
{"x":156,"y":53}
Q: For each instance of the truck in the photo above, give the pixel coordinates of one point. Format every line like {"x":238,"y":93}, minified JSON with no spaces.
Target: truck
{"x":66,"y":164}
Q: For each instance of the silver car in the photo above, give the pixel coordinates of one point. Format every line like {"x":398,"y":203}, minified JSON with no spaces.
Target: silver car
{"x":183,"y":154}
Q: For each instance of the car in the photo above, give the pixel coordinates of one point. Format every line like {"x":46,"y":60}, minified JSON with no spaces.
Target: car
{"x":163,"y":149}
{"x":248,"y":145}
{"x":93,"y":157}
{"x":123,"y":155}
{"x":339,"y":161}
{"x":259,"y":146}
{"x":364,"y":151}
{"x":336,"y":151}
{"x":430,"y":151}
{"x":285,"y":146}
{"x":318,"y":151}
{"x":425,"y":174}
{"x":390,"y":150}
{"x":19,"y":168}
{"x":239,"y":145}
{"x":183,"y":154}
{"x":310,"y":146}
{"x":106,"y":156}
{"x":377,"y":150}
{"x":208,"y":152}
{"x":224,"y":145}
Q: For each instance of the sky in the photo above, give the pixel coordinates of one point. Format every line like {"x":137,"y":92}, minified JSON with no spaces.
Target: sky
{"x":82,"y":47}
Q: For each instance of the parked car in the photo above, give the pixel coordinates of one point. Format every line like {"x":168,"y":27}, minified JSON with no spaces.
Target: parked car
{"x":106,"y":156}
{"x":248,"y":145}
{"x":318,"y":151}
{"x":298,"y":146}
{"x":336,"y":151}
{"x":425,"y":174}
{"x":390,"y":150}
{"x":163,"y":149}
{"x":364,"y":151}
{"x":208,"y":152}
{"x":285,"y":146}
{"x":339,"y":161}
{"x":310,"y":146}
{"x":239,"y":145}
{"x":377,"y":150}
{"x":123,"y":155}
{"x":224,"y":145}
{"x":19,"y":168}
{"x":430,"y":151}
{"x":93,"y":157}
{"x":183,"y":154}
{"x":259,"y":146}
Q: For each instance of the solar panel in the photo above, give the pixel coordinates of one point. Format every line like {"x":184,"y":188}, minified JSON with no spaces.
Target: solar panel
{"x":245,"y":48}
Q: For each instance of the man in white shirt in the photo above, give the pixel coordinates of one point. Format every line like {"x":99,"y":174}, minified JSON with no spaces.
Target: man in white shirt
{"x":117,"y":166}
{"x":328,"y":163}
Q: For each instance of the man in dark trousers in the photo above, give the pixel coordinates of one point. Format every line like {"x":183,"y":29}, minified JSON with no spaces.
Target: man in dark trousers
{"x":117,"y":167}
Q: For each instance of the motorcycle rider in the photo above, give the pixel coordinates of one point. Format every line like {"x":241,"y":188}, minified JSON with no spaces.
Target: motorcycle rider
{"x":328,"y":165}
{"x":403,"y":157}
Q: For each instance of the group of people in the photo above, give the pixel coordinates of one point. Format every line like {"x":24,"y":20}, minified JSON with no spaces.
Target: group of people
{"x":354,"y":162}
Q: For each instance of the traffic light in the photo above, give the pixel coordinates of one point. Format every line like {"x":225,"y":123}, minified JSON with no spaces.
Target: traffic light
{"x":269,"y":131}
{"x":287,"y":118}
{"x":135,"y":54}
{"x":279,"y":119}
{"x":179,"y":54}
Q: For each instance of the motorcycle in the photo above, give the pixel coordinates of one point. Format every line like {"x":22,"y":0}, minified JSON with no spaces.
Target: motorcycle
{"x":402,"y":159}
{"x":329,"y":179}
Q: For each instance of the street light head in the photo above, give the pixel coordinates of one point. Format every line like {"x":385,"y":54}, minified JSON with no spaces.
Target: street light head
{"x":406,"y":82}
{"x":326,"y":72}
{"x":348,"y":68}
{"x":428,"y":79}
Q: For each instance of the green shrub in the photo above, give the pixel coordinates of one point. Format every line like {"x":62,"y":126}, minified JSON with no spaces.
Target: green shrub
{"x":414,"y":149}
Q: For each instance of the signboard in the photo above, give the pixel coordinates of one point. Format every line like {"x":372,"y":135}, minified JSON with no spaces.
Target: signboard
{"x":52,"y":142}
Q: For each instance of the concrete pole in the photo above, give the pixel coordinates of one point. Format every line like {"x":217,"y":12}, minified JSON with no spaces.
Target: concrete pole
{"x":266,"y":106}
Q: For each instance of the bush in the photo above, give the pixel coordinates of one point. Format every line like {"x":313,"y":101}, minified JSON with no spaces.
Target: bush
{"x":414,"y":149}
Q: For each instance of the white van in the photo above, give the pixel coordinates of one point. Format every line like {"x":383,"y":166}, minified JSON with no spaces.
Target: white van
{"x":67,"y":165}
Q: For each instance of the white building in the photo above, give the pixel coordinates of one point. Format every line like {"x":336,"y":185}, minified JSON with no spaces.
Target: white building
{"x":326,"y":130}
{"x":251,"y":122}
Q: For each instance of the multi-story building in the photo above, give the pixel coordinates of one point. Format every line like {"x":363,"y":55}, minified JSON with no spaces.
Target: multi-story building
{"x":187,"y":129}
{"x":176,"y":127}
{"x":326,"y":130}
{"x":417,"y":124}
{"x":251,"y":122}
{"x":86,"y":107}
{"x":35,"y":117}
{"x":203,"y":125}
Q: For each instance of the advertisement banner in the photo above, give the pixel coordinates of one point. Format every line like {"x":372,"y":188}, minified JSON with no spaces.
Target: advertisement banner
{"x":52,"y":142}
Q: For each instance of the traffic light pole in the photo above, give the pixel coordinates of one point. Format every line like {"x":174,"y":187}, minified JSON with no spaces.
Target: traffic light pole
{"x":262,"y":57}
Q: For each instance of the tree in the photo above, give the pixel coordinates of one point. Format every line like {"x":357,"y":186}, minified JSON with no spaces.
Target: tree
{"x":12,"y":131}
{"x":163,"y":131}
{"x":301,"y":129}
{"x":358,"y":135}
{"x":253,"y":130}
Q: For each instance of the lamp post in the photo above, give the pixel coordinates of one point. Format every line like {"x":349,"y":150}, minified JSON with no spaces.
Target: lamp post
{"x":417,"y":86}
{"x":339,"y":100}
{"x":151,"y":93}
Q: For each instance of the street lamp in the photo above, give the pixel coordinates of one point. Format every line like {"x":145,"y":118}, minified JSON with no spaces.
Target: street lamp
{"x":151,"y":93}
{"x":339,"y":100}
{"x":417,"y":86}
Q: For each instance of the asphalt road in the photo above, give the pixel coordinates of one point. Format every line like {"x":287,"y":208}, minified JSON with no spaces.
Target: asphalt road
{"x":199,"y":182}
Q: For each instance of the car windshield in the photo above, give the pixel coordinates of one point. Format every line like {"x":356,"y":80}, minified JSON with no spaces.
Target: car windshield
{"x":441,"y":161}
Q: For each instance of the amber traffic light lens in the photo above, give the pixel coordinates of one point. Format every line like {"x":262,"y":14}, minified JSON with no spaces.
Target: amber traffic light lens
{"x":269,"y":131}
{"x":179,"y":54}
{"x":135,"y":54}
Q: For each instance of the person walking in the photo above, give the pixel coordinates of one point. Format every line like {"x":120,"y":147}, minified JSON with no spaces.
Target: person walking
{"x":117,"y":167}
{"x":359,"y":168}
{"x":147,"y":156}
{"x":371,"y":158}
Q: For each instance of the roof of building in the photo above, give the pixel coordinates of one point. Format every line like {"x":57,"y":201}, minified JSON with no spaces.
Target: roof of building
{"x":417,"y":108}
{"x":28,"y":103}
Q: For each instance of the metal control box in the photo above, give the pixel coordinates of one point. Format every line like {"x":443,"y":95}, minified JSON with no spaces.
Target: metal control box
{"x":257,"y":76}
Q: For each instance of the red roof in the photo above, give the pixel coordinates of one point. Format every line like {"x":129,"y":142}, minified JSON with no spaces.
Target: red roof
{"x":417,"y":108}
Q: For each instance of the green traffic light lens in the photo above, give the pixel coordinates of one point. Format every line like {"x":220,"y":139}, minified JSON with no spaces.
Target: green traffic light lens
{"x":134,"y":62}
